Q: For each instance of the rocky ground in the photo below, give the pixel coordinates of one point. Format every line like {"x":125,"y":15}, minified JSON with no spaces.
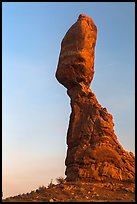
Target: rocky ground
{"x":79,"y":192}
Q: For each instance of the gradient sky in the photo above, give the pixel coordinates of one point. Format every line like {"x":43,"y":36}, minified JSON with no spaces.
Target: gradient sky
{"x":36,"y":107}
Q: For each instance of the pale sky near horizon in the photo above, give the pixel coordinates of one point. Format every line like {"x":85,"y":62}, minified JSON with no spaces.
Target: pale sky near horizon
{"x":35,"y":107}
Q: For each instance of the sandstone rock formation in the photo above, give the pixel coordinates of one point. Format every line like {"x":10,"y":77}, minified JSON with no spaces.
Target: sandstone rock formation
{"x":93,"y":148}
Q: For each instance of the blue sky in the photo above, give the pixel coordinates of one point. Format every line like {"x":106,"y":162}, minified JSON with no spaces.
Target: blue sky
{"x":36,"y":107}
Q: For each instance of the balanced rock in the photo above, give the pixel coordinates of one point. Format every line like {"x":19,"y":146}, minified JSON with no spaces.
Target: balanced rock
{"x":76,"y":61}
{"x":94,"y":152}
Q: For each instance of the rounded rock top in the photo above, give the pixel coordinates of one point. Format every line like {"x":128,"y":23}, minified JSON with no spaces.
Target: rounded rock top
{"x":76,"y":60}
{"x":85,"y":17}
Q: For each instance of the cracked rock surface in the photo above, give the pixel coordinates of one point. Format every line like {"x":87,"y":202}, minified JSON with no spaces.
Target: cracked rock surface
{"x":94,"y":152}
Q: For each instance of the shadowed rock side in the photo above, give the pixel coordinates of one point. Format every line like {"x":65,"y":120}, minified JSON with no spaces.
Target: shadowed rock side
{"x":94,"y":152}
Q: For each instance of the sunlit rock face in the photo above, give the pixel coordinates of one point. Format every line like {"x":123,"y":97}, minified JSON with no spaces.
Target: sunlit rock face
{"x":76,"y":60}
{"x":94,"y":152}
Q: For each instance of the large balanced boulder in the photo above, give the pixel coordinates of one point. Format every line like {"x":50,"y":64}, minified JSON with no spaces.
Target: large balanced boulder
{"x":76,"y":60}
{"x":94,"y":152}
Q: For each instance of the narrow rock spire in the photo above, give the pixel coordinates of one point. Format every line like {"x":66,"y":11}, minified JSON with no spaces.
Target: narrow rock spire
{"x":94,"y":152}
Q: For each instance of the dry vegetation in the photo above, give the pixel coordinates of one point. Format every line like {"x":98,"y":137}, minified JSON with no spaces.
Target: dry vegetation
{"x":79,"y":191}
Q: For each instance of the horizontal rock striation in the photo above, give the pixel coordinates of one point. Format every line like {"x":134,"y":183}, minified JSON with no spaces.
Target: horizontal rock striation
{"x":76,"y":60}
{"x":94,"y":152}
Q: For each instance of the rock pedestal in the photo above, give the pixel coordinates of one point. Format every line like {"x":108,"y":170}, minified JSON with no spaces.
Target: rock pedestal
{"x":94,"y":152}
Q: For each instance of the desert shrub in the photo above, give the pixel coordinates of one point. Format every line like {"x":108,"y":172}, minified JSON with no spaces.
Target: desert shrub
{"x":32,"y":192}
{"x":51,"y":184}
{"x":60,"y":180}
{"x":37,"y":190}
{"x":41,"y":189}
{"x":82,"y":190}
{"x":19,"y":195}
